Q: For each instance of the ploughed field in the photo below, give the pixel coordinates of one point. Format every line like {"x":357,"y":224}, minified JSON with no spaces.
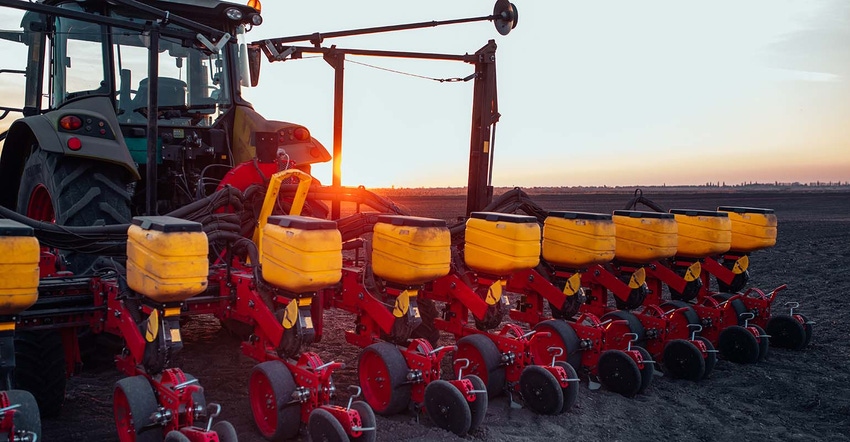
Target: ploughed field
{"x":792,"y":395}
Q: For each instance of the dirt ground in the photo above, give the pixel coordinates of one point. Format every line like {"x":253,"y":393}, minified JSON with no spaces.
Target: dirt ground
{"x":792,"y":395}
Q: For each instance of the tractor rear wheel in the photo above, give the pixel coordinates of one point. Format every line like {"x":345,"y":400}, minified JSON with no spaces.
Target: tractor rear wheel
{"x":73,"y":192}
{"x":40,"y":368}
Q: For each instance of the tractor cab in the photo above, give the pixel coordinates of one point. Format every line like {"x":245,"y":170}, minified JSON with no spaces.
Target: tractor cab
{"x":150,"y":91}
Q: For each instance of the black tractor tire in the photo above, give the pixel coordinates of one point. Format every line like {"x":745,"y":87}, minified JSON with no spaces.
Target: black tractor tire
{"x":40,"y":368}
{"x":83,"y":192}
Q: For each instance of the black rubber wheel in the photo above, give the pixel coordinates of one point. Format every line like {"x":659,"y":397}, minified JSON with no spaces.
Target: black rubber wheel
{"x":683,"y":360}
{"x":634,"y":300}
{"x":485,"y":361}
{"x":690,"y":314}
{"x":367,"y":420}
{"x":807,"y":327}
{"x":635,"y":326}
{"x":619,"y":373}
{"x":737,"y":304}
{"x":691,"y":290}
{"x":324,"y":427}
{"x":738,"y":281}
{"x":447,"y":407}
{"x":764,"y":343}
{"x":27,"y":418}
{"x":225,"y":431}
{"x":647,"y":373}
{"x":382,"y":372}
{"x":561,"y":334}
{"x":478,"y":407}
{"x":493,"y":317}
{"x":737,"y":344}
{"x":82,"y":192}
{"x":710,"y":357}
{"x":540,"y":390}
{"x":270,"y":390}
{"x":571,"y":391}
{"x":786,"y":332}
{"x":40,"y":368}
{"x":133,"y":404}
{"x":176,"y":436}
{"x":427,"y":329}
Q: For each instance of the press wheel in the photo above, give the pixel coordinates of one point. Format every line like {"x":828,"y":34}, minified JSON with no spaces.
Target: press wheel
{"x":447,"y":407}
{"x":478,"y":407}
{"x":647,"y":373}
{"x":570,"y":392}
{"x":710,"y":357}
{"x":367,"y":420}
{"x":324,"y":427}
{"x":737,"y":344}
{"x":540,"y":390}
{"x":619,"y":373}
{"x":683,"y":360}
{"x":787,"y":332}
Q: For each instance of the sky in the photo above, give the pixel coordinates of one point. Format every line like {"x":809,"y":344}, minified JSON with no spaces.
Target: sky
{"x":613,"y":92}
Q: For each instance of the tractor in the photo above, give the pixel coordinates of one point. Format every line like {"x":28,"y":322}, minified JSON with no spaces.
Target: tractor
{"x":152,"y":185}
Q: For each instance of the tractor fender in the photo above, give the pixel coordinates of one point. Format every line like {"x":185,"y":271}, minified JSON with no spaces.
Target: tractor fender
{"x":43,"y":131}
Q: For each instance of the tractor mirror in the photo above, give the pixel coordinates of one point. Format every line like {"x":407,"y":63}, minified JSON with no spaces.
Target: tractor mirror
{"x":254,"y":59}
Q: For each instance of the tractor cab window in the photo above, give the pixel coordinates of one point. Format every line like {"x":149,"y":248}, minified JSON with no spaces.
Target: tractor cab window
{"x":192,"y":87}
{"x":80,"y":68}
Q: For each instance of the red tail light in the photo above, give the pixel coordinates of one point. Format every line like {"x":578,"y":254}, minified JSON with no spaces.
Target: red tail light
{"x":70,"y":122}
{"x":74,"y":143}
{"x":301,"y":134}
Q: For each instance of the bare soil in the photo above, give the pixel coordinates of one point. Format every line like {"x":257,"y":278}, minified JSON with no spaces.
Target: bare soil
{"x":792,"y":395}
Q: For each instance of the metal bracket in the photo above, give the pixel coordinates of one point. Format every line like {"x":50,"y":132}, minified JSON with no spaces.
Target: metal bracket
{"x":214,"y":47}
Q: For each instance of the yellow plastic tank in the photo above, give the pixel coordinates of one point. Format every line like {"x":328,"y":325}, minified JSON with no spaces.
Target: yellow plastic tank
{"x":301,"y":254}
{"x":702,"y":232}
{"x":752,"y":228}
{"x":410,"y":249}
{"x":167,"y":258}
{"x":578,"y":239}
{"x":643,"y":237}
{"x":499,"y":244}
{"x":19,"y":257}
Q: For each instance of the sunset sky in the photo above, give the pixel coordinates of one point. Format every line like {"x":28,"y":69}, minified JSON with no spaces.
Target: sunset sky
{"x":615,"y":92}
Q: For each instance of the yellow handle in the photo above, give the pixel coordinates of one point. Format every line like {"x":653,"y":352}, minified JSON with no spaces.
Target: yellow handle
{"x":273,"y":191}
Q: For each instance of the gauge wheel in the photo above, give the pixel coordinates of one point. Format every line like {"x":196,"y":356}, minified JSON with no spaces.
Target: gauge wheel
{"x":555,"y":333}
{"x":382,"y":372}
{"x":485,"y":361}
{"x":270,"y":390}
{"x":134,"y":402}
